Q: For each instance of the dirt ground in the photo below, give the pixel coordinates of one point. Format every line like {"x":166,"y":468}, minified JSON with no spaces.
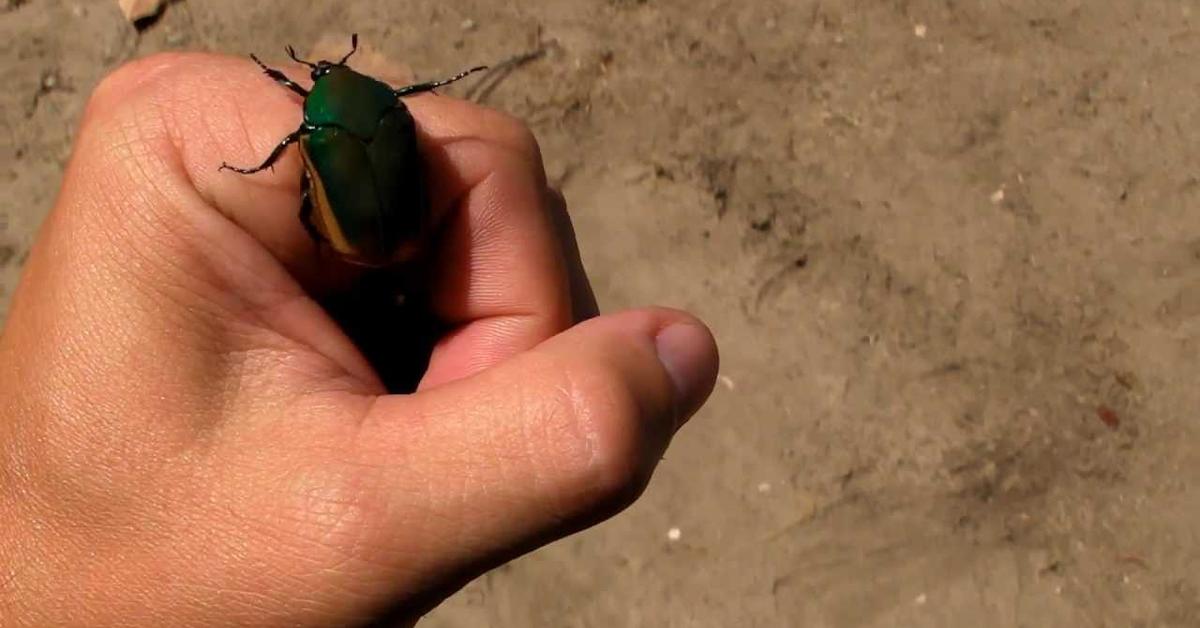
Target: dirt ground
{"x":951,"y":251}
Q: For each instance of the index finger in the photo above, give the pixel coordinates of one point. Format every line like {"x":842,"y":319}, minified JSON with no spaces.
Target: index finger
{"x":501,"y":278}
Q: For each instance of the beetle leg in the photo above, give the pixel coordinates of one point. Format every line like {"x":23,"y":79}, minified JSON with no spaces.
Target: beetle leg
{"x":273,"y":157}
{"x":430,"y":86}
{"x":280,"y":77}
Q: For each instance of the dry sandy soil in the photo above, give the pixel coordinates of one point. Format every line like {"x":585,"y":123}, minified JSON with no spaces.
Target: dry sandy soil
{"x":951,"y":251}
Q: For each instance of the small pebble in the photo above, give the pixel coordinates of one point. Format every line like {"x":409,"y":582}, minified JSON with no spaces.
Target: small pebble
{"x":920,"y":30}
{"x":468,"y":24}
{"x":920,"y":600}
{"x":998,"y":196}
{"x":764,"y":487}
{"x":673,"y":534}
{"x":135,"y":10}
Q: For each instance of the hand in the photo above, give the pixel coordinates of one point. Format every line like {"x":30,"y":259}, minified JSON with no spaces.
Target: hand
{"x":187,"y":438}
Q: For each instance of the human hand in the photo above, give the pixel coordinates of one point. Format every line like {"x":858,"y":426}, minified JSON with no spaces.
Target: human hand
{"x":188,"y":438}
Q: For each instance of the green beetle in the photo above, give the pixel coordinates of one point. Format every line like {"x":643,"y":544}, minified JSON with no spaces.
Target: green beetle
{"x":363,"y":191}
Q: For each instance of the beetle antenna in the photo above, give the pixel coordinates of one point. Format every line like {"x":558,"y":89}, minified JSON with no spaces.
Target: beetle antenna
{"x":353,"y":49}
{"x":292,"y":53}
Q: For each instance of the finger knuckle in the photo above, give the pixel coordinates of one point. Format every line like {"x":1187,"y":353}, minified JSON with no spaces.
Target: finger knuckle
{"x":613,"y":461}
{"x":131,"y":79}
{"x":519,"y":136}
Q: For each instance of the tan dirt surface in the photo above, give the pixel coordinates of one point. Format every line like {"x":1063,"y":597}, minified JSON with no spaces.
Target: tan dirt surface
{"x":951,"y":251}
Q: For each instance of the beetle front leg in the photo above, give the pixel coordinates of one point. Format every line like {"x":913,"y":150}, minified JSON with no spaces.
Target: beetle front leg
{"x":280,"y":77}
{"x":430,"y":86}
{"x":273,"y":157}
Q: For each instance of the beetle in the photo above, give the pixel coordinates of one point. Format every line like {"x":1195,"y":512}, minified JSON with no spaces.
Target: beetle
{"x":363,"y":191}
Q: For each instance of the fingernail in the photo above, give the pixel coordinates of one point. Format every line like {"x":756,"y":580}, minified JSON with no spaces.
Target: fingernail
{"x":689,"y":355}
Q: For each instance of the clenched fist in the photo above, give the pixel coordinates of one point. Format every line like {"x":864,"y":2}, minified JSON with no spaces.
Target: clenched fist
{"x":189,"y":438}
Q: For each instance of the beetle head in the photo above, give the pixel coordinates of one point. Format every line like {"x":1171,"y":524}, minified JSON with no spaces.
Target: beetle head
{"x":321,"y":68}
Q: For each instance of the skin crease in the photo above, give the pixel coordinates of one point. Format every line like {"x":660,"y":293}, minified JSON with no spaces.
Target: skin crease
{"x":187,"y":438}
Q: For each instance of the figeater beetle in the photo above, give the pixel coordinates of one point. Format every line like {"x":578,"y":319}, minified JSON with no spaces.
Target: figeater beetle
{"x":363,"y":192}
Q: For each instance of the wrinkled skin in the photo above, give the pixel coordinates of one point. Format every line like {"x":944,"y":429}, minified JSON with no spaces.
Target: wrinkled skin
{"x":187,"y":438}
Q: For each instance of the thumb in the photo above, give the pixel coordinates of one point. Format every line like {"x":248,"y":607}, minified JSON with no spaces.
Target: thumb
{"x":544,"y":444}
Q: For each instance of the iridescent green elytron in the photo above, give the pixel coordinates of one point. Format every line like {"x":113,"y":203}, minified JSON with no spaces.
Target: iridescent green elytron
{"x":363,"y":192}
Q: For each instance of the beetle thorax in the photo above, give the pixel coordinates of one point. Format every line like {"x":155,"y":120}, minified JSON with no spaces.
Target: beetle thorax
{"x":344,"y":98}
